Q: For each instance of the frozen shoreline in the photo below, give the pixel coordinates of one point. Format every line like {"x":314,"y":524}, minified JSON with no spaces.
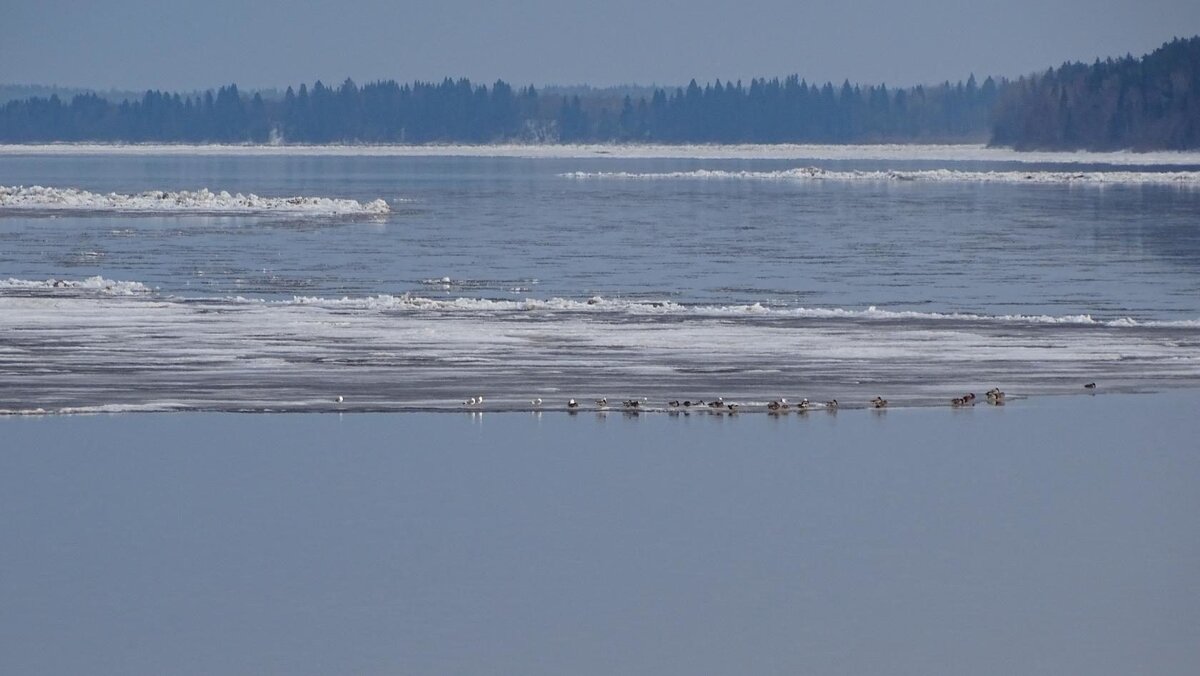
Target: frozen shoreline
{"x":893,"y":152}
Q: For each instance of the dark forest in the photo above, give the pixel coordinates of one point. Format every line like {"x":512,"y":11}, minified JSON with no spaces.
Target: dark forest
{"x":1141,"y":103}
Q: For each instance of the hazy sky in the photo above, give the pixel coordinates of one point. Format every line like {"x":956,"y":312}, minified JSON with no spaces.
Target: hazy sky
{"x":139,"y":44}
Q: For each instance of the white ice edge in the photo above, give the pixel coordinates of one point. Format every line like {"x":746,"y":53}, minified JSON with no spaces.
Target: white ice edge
{"x":669,"y":308}
{"x":95,"y":284}
{"x":182,"y":201}
{"x":895,"y":152}
{"x":1186,"y":178}
{"x":595,"y":305}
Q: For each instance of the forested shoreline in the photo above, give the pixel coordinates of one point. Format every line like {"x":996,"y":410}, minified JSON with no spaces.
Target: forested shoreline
{"x":1152,"y":102}
{"x":1141,"y":103}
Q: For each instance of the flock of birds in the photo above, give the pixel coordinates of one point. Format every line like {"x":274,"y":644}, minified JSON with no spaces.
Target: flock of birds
{"x":995,"y":397}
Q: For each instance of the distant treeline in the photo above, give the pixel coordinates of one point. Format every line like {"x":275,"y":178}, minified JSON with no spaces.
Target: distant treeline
{"x":765,"y":111}
{"x":1152,"y":102}
{"x":1139,"y":103}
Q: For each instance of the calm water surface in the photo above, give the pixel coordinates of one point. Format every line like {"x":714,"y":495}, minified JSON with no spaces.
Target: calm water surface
{"x":1041,"y":538}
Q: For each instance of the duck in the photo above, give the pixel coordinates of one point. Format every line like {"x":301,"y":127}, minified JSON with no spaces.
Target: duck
{"x":536,"y":402}
{"x":471,"y":402}
{"x":804,"y":405}
{"x":733,"y":408}
{"x":602,"y":402}
{"x":631,"y":403}
{"x":572,"y":404}
{"x":719,"y":403}
{"x":831,"y":404}
{"x":957,"y":401}
{"x":673,"y":403}
{"x":339,"y":399}
{"x":879,"y":402}
{"x":1090,"y":386}
{"x":774,"y":406}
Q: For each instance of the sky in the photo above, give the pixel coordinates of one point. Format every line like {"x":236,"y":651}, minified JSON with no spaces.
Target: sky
{"x":143,"y":44}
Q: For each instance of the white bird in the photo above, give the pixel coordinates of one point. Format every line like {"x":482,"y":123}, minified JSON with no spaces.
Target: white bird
{"x":537,"y":402}
{"x":471,"y":402}
{"x":339,"y":399}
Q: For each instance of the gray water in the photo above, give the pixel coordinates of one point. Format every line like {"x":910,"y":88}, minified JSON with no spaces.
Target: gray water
{"x":515,"y":228}
{"x":1048,"y":537}
{"x":506,"y":277}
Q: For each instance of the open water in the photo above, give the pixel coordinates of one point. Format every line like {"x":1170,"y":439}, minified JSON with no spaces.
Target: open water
{"x":603,"y":274}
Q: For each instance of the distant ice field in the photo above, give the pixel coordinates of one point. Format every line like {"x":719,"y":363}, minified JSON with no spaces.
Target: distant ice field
{"x":917,"y":152}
